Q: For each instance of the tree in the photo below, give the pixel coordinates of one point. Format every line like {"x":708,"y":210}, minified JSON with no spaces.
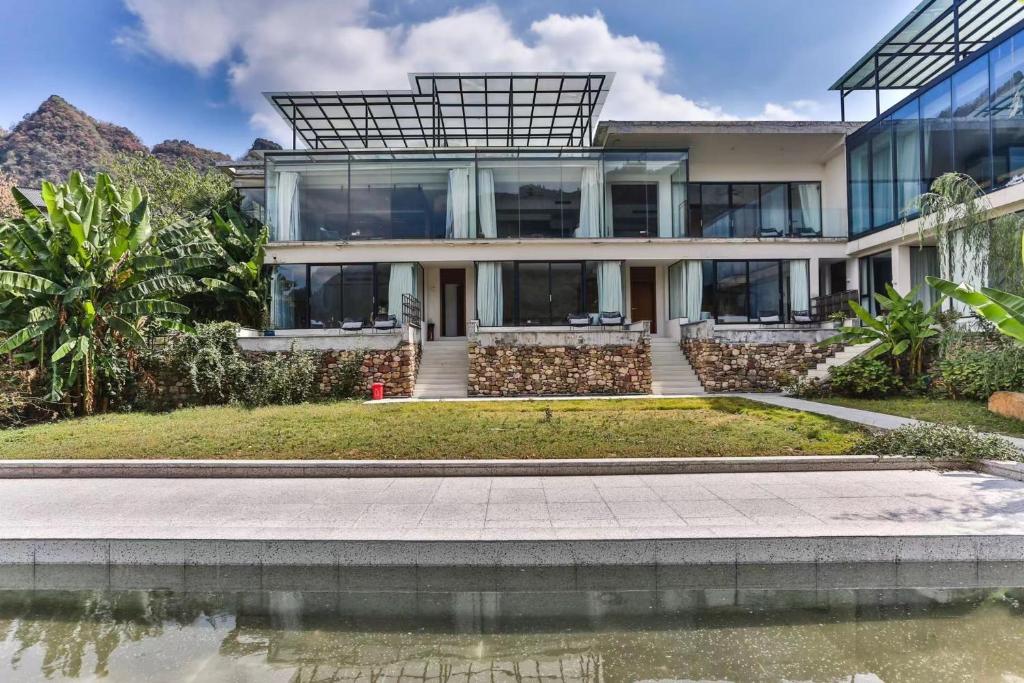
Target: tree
{"x":90,"y":274}
{"x":176,"y":193}
{"x":901,"y":331}
{"x":8,"y":207}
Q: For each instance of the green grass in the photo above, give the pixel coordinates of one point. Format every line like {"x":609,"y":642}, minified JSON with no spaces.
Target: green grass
{"x":946,"y":411}
{"x":501,"y":429}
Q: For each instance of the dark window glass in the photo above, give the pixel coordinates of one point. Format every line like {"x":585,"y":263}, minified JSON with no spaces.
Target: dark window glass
{"x":1008,"y":109}
{"x":694,"y":220}
{"x":291,"y":305}
{"x":715,"y":210}
{"x":325,"y":297}
{"x":731,"y":291}
{"x":357,"y":292}
{"x":875,"y":273}
{"x":745,"y":210}
{"x":907,"y":131}
{"x":635,"y":209}
{"x":590,"y":289}
{"x":323,"y":211}
{"x":937,"y":129}
{"x":506,"y":200}
{"x":881,"y":175}
{"x":508,"y":293}
{"x":383,"y":283}
{"x":534,"y":301}
{"x":254,"y":202}
{"x":860,"y":188}
{"x":764,"y":279}
{"x":971,"y":122}
{"x":566,"y":290}
{"x":805,"y":203}
{"x":708,"y":305}
{"x":540,"y":201}
{"x":774,"y":221}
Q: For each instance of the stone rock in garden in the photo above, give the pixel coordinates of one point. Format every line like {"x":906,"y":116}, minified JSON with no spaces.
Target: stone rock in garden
{"x":1008,"y":404}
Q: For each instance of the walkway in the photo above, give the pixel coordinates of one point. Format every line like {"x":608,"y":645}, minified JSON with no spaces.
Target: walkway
{"x":639,"y":519}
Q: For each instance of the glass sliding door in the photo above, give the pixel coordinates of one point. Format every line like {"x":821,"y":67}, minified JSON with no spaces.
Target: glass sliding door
{"x":289,"y":297}
{"x":754,"y":291}
{"x":765,"y":278}
{"x":635,"y":209}
{"x":547,"y":293}
{"x":907,"y":129}
{"x":971,"y":132}
{"x":335,"y":293}
{"x":1007,"y":81}
{"x":745,"y":208}
{"x":937,"y":131}
{"x":325,"y":297}
{"x":645,"y":193}
{"x":566,"y":291}
{"x":774,"y":218}
{"x":731,"y":286}
{"x":805,"y":200}
{"x":534,"y":290}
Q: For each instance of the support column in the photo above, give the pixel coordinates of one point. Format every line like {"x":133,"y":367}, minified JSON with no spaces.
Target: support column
{"x":815,"y":274}
{"x":901,"y":269}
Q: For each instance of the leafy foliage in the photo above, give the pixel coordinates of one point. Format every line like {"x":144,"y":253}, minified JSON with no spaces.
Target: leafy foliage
{"x":939,"y":442}
{"x":864,"y":377}
{"x":177,"y":192}
{"x":900,"y":332}
{"x":974,"y":364}
{"x":87,"y":275}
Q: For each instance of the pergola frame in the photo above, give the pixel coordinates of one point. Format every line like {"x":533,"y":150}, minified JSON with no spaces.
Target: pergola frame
{"x":933,"y":37}
{"x":451,"y":110}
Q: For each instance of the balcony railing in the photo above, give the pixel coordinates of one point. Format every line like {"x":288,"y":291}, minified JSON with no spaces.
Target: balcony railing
{"x":838,"y":302}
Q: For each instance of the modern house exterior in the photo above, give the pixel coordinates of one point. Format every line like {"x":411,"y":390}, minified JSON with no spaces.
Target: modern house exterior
{"x":540,"y":250}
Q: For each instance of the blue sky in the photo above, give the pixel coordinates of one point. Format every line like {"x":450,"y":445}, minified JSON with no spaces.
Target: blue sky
{"x":194,"y":69}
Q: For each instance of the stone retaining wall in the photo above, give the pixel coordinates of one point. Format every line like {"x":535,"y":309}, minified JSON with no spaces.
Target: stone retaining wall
{"x":533,"y":370}
{"x":749,"y":366}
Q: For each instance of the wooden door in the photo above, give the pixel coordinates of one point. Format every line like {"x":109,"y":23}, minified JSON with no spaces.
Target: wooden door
{"x":643,"y":296}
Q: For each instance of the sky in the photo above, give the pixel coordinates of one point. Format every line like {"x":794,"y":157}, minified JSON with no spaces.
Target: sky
{"x":196,"y":69}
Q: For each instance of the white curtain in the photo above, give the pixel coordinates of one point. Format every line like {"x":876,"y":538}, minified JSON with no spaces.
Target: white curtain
{"x":489,"y":296}
{"x":485,"y":194}
{"x":590,"y":204}
{"x":810,"y":205}
{"x":677,"y":290}
{"x":402,"y":281}
{"x":287,"y":206}
{"x":799,"y":287}
{"x":694,"y":289}
{"x":457,"y":225}
{"x":282,"y":317}
{"x":908,"y":168}
{"x":924,"y":261}
{"x":609,"y":287}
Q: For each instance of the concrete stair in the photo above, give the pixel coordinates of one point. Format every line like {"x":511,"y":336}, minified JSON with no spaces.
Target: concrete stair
{"x":443,"y":371}
{"x":842,"y":358}
{"x":671,"y":373}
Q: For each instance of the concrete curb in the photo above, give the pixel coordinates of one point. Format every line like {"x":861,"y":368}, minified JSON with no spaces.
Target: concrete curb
{"x":62,"y":469}
{"x":1002,"y":468}
{"x":516,"y":553}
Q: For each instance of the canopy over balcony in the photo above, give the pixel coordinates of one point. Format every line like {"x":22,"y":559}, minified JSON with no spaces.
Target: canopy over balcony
{"x":451,"y":110}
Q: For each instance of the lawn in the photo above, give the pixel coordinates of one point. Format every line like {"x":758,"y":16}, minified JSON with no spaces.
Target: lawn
{"x":501,"y":429}
{"x":948,"y":411}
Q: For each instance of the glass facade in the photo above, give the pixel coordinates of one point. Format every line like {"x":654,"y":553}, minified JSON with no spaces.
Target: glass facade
{"x":754,"y":209}
{"x":971,"y":122}
{"x":324,"y":296}
{"x":547,"y":293}
{"x":478,"y":195}
{"x":748,"y":291}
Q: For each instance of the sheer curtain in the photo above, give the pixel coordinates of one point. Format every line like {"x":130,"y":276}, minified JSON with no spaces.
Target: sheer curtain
{"x":287,"y":206}
{"x":694,"y":289}
{"x":590,"y":204}
{"x":402,"y":281}
{"x":489,"y":295}
{"x":908,"y":169}
{"x":457,"y":225}
{"x":485,"y":201}
{"x":677,"y":290}
{"x":281,"y":314}
{"x":810,"y":205}
{"x":609,"y":286}
{"x":924,"y":261}
{"x":799,"y":287}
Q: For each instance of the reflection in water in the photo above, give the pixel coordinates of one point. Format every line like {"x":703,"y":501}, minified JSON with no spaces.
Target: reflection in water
{"x":420,"y":635}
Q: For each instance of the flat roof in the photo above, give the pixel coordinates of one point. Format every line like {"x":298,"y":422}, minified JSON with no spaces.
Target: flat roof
{"x":606,"y":128}
{"x":926,"y":42}
{"x":451,"y":110}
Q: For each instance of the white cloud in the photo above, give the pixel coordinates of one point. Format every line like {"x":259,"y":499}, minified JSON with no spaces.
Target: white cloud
{"x":330,"y":45}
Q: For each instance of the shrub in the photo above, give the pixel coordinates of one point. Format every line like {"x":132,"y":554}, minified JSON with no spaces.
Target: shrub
{"x":864,"y":378}
{"x":939,"y":442}
{"x":280,"y":379}
{"x":803,"y":387}
{"x":978,"y":373}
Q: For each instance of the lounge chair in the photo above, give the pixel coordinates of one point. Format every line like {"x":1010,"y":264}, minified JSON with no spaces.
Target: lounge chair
{"x":385,"y":322}
{"x":350,"y":325}
{"x":577,"y":320}
{"x":611,"y":318}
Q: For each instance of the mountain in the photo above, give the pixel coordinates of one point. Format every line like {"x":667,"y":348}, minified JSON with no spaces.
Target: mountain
{"x":59,"y":138}
{"x":260,"y":145}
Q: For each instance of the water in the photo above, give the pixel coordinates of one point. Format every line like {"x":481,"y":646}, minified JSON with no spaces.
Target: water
{"x":847,"y":622}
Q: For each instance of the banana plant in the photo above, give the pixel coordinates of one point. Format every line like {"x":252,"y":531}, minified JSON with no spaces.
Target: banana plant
{"x":1002,"y":309}
{"x":900,"y":332}
{"x":88,"y":273}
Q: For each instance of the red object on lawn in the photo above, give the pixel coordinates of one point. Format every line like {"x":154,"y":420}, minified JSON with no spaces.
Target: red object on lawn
{"x":378,"y":391}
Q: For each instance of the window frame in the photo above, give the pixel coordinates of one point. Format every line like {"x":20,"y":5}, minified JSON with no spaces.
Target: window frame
{"x":693,"y":191}
{"x":374,"y":283}
{"x":784,"y":313}
{"x":513,"y":316}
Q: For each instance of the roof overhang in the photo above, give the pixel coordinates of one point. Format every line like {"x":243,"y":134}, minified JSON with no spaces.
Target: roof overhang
{"x":934,"y":36}
{"x":451,"y":110}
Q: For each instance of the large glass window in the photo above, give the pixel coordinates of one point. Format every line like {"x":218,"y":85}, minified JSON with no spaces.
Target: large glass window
{"x":765,"y":281}
{"x":1007,"y":69}
{"x":881,"y":175}
{"x":746,"y":211}
{"x":547,"y":293}
{"x":753,"y":291}
{"x":937,"y":129}
{"x":645,"y":193}
{"x":336,"y":293}
{"x":971,"y":132}
{"x":875,"y":273}
{"x":731,"y":291}
{"x":754,"y":210}
{"x":805,"y":203}
{"x":907,"y":129}
{"x":774,"y":218}
{"x":635,"y":209}
{"x":325,"y":297}
{"x":289,"y":297}
{"x":533,"y":198}
{"x":860,"y":188}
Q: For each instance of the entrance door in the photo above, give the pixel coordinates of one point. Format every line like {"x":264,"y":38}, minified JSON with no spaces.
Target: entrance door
{"x":453,"y":302}
{"x":642,"y":293}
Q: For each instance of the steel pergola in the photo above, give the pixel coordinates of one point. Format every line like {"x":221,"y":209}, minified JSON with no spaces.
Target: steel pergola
{"x":934,"y":36}
{"x":451,"y":110}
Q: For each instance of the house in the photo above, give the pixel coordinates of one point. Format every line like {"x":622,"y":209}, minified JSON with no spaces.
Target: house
{"x":505,"y":228}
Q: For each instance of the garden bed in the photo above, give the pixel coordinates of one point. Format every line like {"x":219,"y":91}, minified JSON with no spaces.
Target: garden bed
{"x":503,"y":429}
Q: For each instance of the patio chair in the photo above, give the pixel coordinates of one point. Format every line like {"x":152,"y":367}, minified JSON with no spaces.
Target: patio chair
{"x":577,"y":320}
{"x":611,"y":318}
{"x":769,"y":318}
{"x":350,"y":325}
{"x":385,"y":322}
{"x":802,"y":316}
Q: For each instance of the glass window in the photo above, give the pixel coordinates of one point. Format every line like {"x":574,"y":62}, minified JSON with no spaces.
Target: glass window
{"x":715,"y":210}
{"x":323,"y":206}
{"x":745,"y":210}
{"x":774,"y":222}
{"x":731,"y":291}
{"x":380,"y":301}
{"x":566,"y":291}
{"x":635,"y":209}
{"x":254,"y":202}
{"x":506,"y":199}
{"x":357,"y":286}
{"x":971,"y":123}
{"x":875,"y":273}
{"x":881,"y":175}
{"x":708,"y":304}
{"x":860,"y":188}
{"x":534,"y":301}
{"x":937,"y":129}
{"x":289,"y":307}
{"x":590,"y":288}
{"x":508,"y":293}
{"x":907,"y":129}
{"x":764,"y":278}
{"x":325,"y":297}
{"x":805,"y":203}
{"x":1007,"y":67}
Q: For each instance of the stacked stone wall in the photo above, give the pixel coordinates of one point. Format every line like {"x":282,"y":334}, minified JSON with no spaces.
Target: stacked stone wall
{"x":747,"y":366}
